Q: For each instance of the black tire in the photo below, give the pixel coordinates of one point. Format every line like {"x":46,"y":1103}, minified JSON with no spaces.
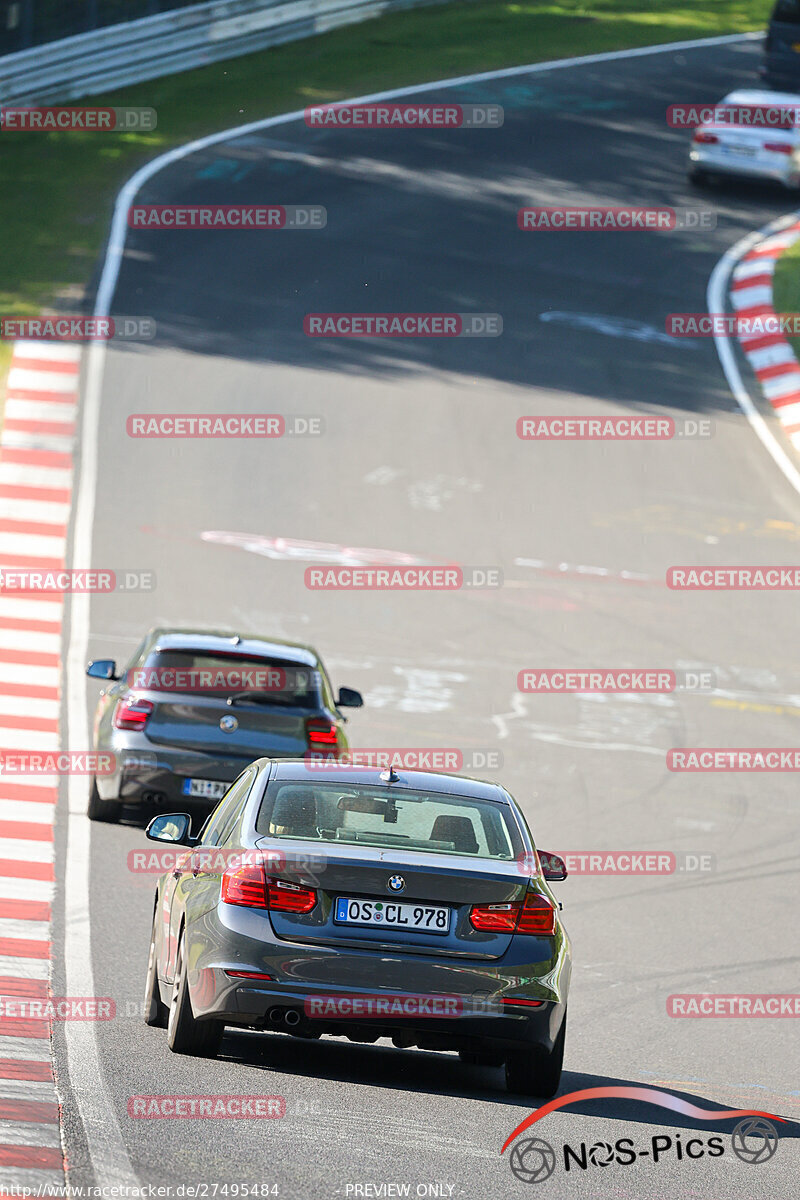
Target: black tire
{"x":536,"y":1072}
{"x":102,"y":810}
{"x":156,"y":1011}
{"x":186,"y":1035}
{"x":699,"y":178}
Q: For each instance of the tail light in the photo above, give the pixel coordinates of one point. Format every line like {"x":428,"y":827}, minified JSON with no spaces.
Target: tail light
{"x":132,"y":713}
{"x":248,"y":975}
{"x":322,"y":736}
{"x":283,"y":896}
{"x":511,"y":1002}
{"x":707,"y":139}
{"x":779,"y":147}
{"x":245,"y":885}
{"x":494,"y":918}
{"x":535,"y":915}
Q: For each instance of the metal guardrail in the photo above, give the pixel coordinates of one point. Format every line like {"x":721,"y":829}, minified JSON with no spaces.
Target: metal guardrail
{"x":164,"y":44}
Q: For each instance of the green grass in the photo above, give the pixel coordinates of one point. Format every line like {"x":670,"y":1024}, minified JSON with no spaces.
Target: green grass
{"x":57,"y":190}
{"x":786,"y":287}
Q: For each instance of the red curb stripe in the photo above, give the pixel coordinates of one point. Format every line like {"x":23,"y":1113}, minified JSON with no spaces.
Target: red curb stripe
{"x":776,"y":371}
{"x":12,"y":868}
{"x":18,"y":393}
{"x":28,"y":658}
{"x":31,"y":1156}
{"x":24,"y":1068}
{"x":43,"y":528}
{"x":30,"y":989}
{"x":25,"y":910}
{"x":24,"y":948}
{"x":25,"y":1027}
{"x":40,"y":724}
{"x":29,"y":1110}
{"x":37,"y":793}
{"x":36,"y":458}
{"x":30,"y":831}
{"x":784,"y":401}
{"x":53,"y":366}
{"x":763,"y":342}
{"x":20,"y":491}
{"x":739,"y":285}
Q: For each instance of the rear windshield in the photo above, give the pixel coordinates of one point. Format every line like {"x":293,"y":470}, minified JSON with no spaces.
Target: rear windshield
{"x":369,"y":816}
{"x":200,"y":673}
{"x":787,"y":10}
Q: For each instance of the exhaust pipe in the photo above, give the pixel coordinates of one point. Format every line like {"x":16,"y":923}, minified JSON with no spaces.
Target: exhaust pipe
{"x":275,"y":1015}
{"x":292,"y":1017}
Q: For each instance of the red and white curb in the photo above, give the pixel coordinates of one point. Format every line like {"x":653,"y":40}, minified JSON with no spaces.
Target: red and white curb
{"x":35,"y":489}
{"x":770,"y":355}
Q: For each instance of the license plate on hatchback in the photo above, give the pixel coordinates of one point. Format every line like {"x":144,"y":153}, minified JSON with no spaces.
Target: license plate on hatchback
{"x":204,"y":789}
{"x":421,"y":918}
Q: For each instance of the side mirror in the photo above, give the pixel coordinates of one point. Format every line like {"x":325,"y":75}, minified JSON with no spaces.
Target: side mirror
{"x":171,"y":827}
{"x":102,"y":668}
{"x":349,"y":698}
{"x":554,"y":868}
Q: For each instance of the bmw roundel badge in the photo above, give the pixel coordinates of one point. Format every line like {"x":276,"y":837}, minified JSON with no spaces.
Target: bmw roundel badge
{"x":396,"y":883}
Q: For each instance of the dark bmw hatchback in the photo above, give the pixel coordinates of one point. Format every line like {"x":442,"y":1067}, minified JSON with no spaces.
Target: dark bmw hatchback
{"x":333,"y":900}
{"x":193,"y":708}
{"x":781,"y":64}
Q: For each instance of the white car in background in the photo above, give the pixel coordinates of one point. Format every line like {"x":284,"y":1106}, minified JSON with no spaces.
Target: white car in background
{"x":744,"y":144}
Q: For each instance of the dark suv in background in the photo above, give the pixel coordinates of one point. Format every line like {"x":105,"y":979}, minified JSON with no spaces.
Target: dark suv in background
{"x":193,"y":708}
{"x":781,"y":66}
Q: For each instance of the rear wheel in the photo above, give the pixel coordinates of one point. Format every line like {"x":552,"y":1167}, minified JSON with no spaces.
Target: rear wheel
{"x":156,"y":1011}
{"x":99,"y":809}
{"x":698,"y":177}
{"x":537,"y":1072}
{"x":185,"y":1034}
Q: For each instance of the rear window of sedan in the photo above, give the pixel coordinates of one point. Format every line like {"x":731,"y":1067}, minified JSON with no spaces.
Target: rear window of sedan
{"x":191,"y":672}
{"x":432,"y":822}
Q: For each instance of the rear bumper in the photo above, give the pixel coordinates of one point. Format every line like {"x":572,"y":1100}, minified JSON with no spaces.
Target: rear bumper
{"x":715,"y":163}
{"x":152,"y":775}
{"x":491,"y":1029}
{"x":781,"y":69}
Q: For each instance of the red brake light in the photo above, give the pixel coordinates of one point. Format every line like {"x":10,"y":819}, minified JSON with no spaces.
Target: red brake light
{"x":245,"y":885}
{"x":779,"y":147}
{"x":248,"y":975}
{"x":132,"y":713}
{"x":706,"y":138}
{"x":535,"y":915}
{"x":283,"y":896}
{"x":494,"y":918}
{"x":322,"y":735}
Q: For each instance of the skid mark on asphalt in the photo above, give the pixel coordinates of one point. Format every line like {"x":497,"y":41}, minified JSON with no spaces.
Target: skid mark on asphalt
{"x":620,"y":723}
{"x":421,"y":691}
{"x":431,"y":494}
{"x":617,"y":327}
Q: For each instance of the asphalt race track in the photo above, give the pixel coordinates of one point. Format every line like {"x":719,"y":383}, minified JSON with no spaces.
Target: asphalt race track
{"x":420,"y":456}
